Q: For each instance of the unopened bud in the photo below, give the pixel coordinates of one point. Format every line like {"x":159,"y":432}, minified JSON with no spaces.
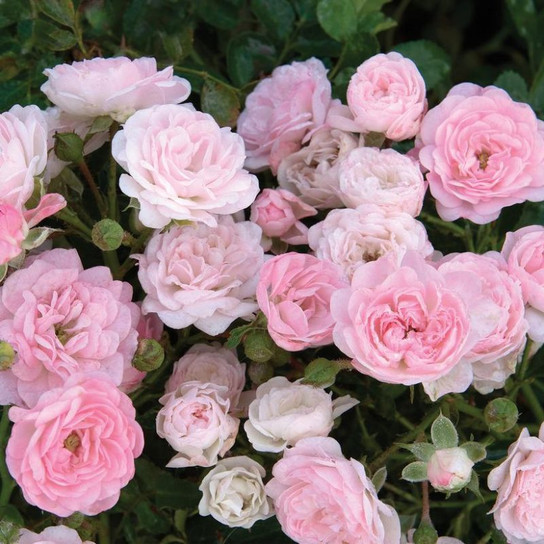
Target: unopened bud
{"x":425,"y":534}
{"x":501,"y":415}
{"x":7,"y":355}
{"x":281,"y":357}
{"x":69,"y":147}
{"x":149,"y":355}
{"x":107,"y":234}
{"x":260,"y":372}
{"x":449,"y":469}
{"x":258,"y":346}
{"x":9,"y":532}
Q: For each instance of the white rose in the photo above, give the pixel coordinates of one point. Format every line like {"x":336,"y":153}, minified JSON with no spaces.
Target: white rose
{"x":285,"y":412}
{"x":233,"y":493}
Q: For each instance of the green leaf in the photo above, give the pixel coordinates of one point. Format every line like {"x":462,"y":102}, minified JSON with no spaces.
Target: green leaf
{"x":222,"y":14}
{"x":67,"y":184}
{"x":101,"y":124}
{"x":431,"y":60}
{"x":514,"y":85}
{"x":236,"y":335}
{"x":249,"y":56}
{"x":415,"y":472}
{"x":475,"y":451}
{"x":221,"y":102}
{"x":12,"y":92}
{"x":277,"y":16}
{"x":53,"y":37}
{"x":322,"y":373}
{"x":3,"y":271}
{"x":305,"y":9}
{"x":422,"y":450}
{"x":37,"y":236}
{"x":338,"y":18}
{"x":443,"y":433}
{"x":375,"y":22}
{"x":61,"y":11}
{"x":474,"y":485}
{"x":536,"y":93}
{"x":9,"y":513}
{"x":379,"y":478}
{"x":367,"y":6}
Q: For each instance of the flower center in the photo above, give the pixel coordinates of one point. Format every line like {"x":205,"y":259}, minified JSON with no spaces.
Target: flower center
{"x":483,"y":157}
{"x":72,"y":442}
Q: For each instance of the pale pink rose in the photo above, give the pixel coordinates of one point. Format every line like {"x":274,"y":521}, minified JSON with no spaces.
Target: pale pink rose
{"x":350,"y":238}
{"x":519,"y":509}
{"x":52,"y":535}
{"x":483,"y":152}
{"x":393,"y":317}
{"x":278,"y":211}
{"x":384,"y":177}
{"x":75,"y":450}
{"x":449,"y":469}
{"x":523,"y":250}
{"x":294,"y":293}
{"x":23,"y":141}
{"x":116,"y":87}
{"x":284,"y":412}
{"x":63,"y":320}
{"x":182,"y":165}
{"x":312,"y":172}
{"x":13,"y":230}
{"x":498,"y":315}
{"x":48,"y":205}
{"x":194,"y":420}
{"x":202,"y":275}
{"x":210,"y":364}
{"x":233,"y":493}
{"x":387,"y":95}
{"x":282,"y":111}
{"x":320,"y":496}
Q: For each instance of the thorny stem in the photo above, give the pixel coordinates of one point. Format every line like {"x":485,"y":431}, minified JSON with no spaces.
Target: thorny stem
{"x":425,"y":507}
{"x":112,"y":179}
{"x":94,"y":188}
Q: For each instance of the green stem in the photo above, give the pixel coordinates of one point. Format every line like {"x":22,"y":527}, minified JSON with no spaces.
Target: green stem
{"x":69,"y":217}
{"x":532,"y":401}
{"x":94,"y":188}
{"x":205,"y":75}
{"x":333,"y":73}
{"x":463,"y":406}
{"x":525,"y":360}
{"x":469,"y":240}
{"x":104,"y":529}
{"x":8,"y":485}
{"x":111,"y":260}
{"x":112,"y":179}
{"x":129,"y":262}
{"x":456,"y":230}
{"x":401,"y":493}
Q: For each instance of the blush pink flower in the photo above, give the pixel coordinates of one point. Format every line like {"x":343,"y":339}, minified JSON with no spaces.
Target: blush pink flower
{"x":282,"y":111}
{"x":63,"y":320}
{"x":387,"y":95}
{"x":483,"y":151}
{"x":202,"y":275}
{"x":294,"y":293}
{"x":519,"y":509}
{"x":13,"y":230}
{"x":75,"y":449}
{"x":320,"y":496}
{"x":52,"y":535}
{"x":449,"y":469}
{"x":116,"y":87}
{"x":182,"y":165}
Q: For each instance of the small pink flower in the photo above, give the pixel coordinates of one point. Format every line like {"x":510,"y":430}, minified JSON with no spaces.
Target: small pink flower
{"x":449,"y":469}
{"x":282,"y":111}
{"x":117,"y":87}
{"x":483,"y":152}
{"x":75,"y":449}
{"x":13,"y":230}
{"x":52,"y":535}
{"x":294,"y":293}
{"x":387,"y":94}
{"x":320,"y":496}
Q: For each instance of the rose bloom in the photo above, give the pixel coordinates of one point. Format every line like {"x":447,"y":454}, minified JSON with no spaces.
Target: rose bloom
{"x":194,"y":420}
{"x":483,"y":152}
{"x":13,"y":230}
{"x":212,"y":364}
{"x":233,"y":493}
{"x":523,"y":250}
{"x":387,"y":94}
{"x":182,"y":166}
{"x":350,"y":238}
{"x":202,"y":275}
{"x":449,"y":469}
{"x":312,"y":172}
{"x":401,"y":322}
{"x":75,"y":449}
{"x":116,"y":87}
{"x":63,"y":320}
{"x":384,"y":177}
{"x":294,"y":293}
{"x":283,"y":413}
{"x":282,"y":111}
{"x":519,"y":509}
{"x":278,"y":211}
{"x":52,"y":535}
{"x":320,"y":496}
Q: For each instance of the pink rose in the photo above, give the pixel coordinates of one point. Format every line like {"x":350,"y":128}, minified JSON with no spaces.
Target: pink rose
{"x":449,"y":469}
{"x":282,"y":111}
{"x":182,"y":165}
{"x":278,"y":211}
{"x":350,"y":238}
{"x":210,"y":364}
{"x":194,"y":420}
{"x":52,"y":535}
{"x":384,"y":178}
{"x":117,"y":87}
{"x":75,"y":449}
{"x":524,"y":253}
{"x":483,"y":152}
{"x":63,"y":320}
{"x":393,"y":317}
{"x":13,"y":230}
{"x":312,"y":172}
{"x":518,"y":510}
{"x":320,"y":496}
{"x":202,"y":275}
{"x":294,"y":293}
{"x":387,"y":94}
